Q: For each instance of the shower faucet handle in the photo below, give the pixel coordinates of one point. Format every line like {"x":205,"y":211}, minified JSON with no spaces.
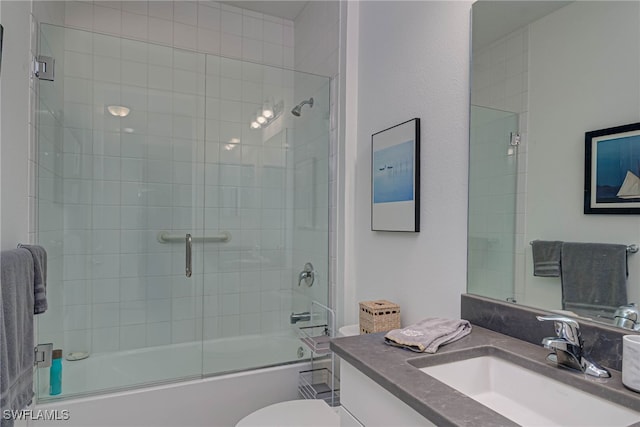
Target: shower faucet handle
{"x":308,"y":275}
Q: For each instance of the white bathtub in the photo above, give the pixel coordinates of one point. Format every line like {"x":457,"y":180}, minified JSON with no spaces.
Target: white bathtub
{"x":220,"y":400}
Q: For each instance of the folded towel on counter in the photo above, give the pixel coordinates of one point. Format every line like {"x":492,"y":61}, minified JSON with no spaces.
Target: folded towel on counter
{"x":16,"y":331}
{"x":39,"y":277}
{"x":546,"y":258}
{"x":593,"y":274}
{"x":428,"y":334}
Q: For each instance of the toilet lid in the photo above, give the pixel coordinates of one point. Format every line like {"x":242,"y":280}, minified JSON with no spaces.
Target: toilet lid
{"x":294,"y":413}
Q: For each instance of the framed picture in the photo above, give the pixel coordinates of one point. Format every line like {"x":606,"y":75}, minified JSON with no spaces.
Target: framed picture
{"x":612,"y":170}
{"x":395,"y":178}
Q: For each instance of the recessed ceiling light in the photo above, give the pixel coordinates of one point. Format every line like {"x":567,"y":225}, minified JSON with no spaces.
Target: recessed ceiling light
{"x":118,"y":110}
{"x":261,"y":119}
{"x":255,"y":125}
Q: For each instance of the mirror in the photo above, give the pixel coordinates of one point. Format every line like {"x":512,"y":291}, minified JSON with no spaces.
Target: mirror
{"x":544,"y":74}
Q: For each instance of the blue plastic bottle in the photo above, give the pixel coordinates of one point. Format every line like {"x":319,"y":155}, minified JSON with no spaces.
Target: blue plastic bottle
{"x":55,"y":373}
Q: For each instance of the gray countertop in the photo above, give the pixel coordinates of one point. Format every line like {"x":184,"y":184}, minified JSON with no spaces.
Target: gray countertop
{"x":397,"y":370}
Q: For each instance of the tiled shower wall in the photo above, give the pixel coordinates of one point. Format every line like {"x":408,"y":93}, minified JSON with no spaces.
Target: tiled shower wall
{"x":120,"y":313}
{"x":500,"y":81}
{"x":207,"y":27}
{"x":124,"y":180}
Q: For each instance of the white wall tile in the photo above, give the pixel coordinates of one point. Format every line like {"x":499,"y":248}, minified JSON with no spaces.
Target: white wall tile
{"x":161,"y":9}
{"x":79,"y":15}
{"x":209,"y":41}
{"x":186,"y":12}
{"x":134,"y":25}
{"x":132,"y":337}
{"x":158,"y":333}
{"x":139,"y":7}
{"x":231,"y":45}
{"x":107,"y":20}
{"x":185,"y":36}
{"x":252,"y":27}
{"x":209,"y":17}
{"x":105,"y":339}
{"x":252,"y":50}
{"x":273,"y":32}
{"x":160,"y":31}
{"x":231,"y":23}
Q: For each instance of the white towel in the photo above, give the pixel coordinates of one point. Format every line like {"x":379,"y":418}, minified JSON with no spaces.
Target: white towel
{"x":428,"y":334}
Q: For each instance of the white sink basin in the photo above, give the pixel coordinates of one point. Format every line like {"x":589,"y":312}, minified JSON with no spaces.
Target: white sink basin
{"x":526,"y":397}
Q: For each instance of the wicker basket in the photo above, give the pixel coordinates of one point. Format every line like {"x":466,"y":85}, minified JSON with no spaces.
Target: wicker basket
{"x":378,"y":316}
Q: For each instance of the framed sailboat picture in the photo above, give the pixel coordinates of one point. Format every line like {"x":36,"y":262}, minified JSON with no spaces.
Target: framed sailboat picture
{"x":395,"y":178}
{"x":612,"y":170}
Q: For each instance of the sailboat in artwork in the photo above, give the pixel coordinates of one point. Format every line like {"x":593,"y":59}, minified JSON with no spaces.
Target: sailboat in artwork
{"x":630,"y":188}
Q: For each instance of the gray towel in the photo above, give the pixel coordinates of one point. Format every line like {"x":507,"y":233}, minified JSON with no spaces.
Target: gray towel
{"x":594,"y":274}
{"x":16,"y":331}
{"x":546,"y":258}
{"x":39,"y":277}
{"x":428,"y":334}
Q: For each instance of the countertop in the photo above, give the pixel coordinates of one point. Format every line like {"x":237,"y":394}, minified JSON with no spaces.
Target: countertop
{"x":397,"y":370}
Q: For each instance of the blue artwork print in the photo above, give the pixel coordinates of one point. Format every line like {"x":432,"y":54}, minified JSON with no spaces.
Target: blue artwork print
{"x":393,"y":173}
{"x":618,"y":170}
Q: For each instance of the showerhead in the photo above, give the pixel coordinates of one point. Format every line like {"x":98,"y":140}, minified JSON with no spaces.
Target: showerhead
{"x":298,"y":108}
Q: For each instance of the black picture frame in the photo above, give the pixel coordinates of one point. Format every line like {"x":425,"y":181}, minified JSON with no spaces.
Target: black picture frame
{"x":612,"y":170}
{"x":395,"y":178}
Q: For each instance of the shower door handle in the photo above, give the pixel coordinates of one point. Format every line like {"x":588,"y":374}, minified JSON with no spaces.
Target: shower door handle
{"x":188,"y":241}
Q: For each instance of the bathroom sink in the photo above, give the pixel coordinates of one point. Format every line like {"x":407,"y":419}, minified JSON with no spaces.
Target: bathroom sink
{"x":526,"y":397}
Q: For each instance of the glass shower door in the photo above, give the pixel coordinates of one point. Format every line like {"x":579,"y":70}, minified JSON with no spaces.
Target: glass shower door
{"x":140,"y":145}
{"x":121,"y":128}
{"x":492,"y":202}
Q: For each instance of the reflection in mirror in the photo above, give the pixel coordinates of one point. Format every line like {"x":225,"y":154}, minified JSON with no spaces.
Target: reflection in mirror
{"x":544,"y":74}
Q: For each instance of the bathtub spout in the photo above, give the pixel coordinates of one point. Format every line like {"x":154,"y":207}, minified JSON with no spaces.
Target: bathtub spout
{"x":305,"y":316}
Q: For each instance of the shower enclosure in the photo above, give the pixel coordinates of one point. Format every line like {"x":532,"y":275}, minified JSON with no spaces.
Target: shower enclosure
{"x":178,"y":199}
{"x":493,"y":175}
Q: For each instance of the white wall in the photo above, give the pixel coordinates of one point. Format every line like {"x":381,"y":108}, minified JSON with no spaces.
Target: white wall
{"x":413,"y":61}
{"x":570,"y":49}
{"x":14,"y":128}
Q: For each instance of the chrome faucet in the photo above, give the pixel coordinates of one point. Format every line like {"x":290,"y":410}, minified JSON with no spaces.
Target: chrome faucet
{"x":305,"y":316}
{"x":568,"y":348}
{"x":628,"y":317}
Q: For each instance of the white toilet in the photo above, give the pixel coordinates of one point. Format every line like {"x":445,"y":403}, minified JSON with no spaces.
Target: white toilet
{"x":302,"y":413}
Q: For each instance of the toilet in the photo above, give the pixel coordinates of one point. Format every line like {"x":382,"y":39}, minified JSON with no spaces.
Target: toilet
{"x":302,"y":413}
{"x":307,"y":413}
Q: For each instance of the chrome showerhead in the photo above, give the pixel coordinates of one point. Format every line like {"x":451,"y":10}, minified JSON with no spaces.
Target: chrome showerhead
{"x":298,"y":108}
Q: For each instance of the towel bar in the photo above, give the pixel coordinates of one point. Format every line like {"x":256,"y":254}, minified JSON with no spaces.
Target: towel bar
{"x":632,"y":249}
{"x":165,"y":237}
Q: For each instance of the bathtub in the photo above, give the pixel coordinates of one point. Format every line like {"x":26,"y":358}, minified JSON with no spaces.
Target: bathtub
{"x":217,"y":400}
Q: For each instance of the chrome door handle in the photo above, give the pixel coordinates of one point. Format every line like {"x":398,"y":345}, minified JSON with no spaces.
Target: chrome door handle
{"x":188,"y":241}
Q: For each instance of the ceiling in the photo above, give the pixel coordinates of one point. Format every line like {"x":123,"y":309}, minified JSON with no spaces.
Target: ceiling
{"x":495,"y":19}
{"x":282,"y":9}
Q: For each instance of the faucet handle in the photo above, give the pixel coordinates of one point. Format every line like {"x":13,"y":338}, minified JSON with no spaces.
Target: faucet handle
{"x":566,"y":328}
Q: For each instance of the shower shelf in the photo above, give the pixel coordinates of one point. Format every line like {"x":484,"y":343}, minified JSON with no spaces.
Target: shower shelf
{"x":319,"y":384}
{"x":316,"y":337}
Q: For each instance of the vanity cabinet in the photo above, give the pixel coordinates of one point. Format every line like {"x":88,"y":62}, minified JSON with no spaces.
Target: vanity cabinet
{"x":372,"y":405}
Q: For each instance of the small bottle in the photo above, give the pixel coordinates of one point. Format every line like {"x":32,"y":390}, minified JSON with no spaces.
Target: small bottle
{"x":55,"y":373}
